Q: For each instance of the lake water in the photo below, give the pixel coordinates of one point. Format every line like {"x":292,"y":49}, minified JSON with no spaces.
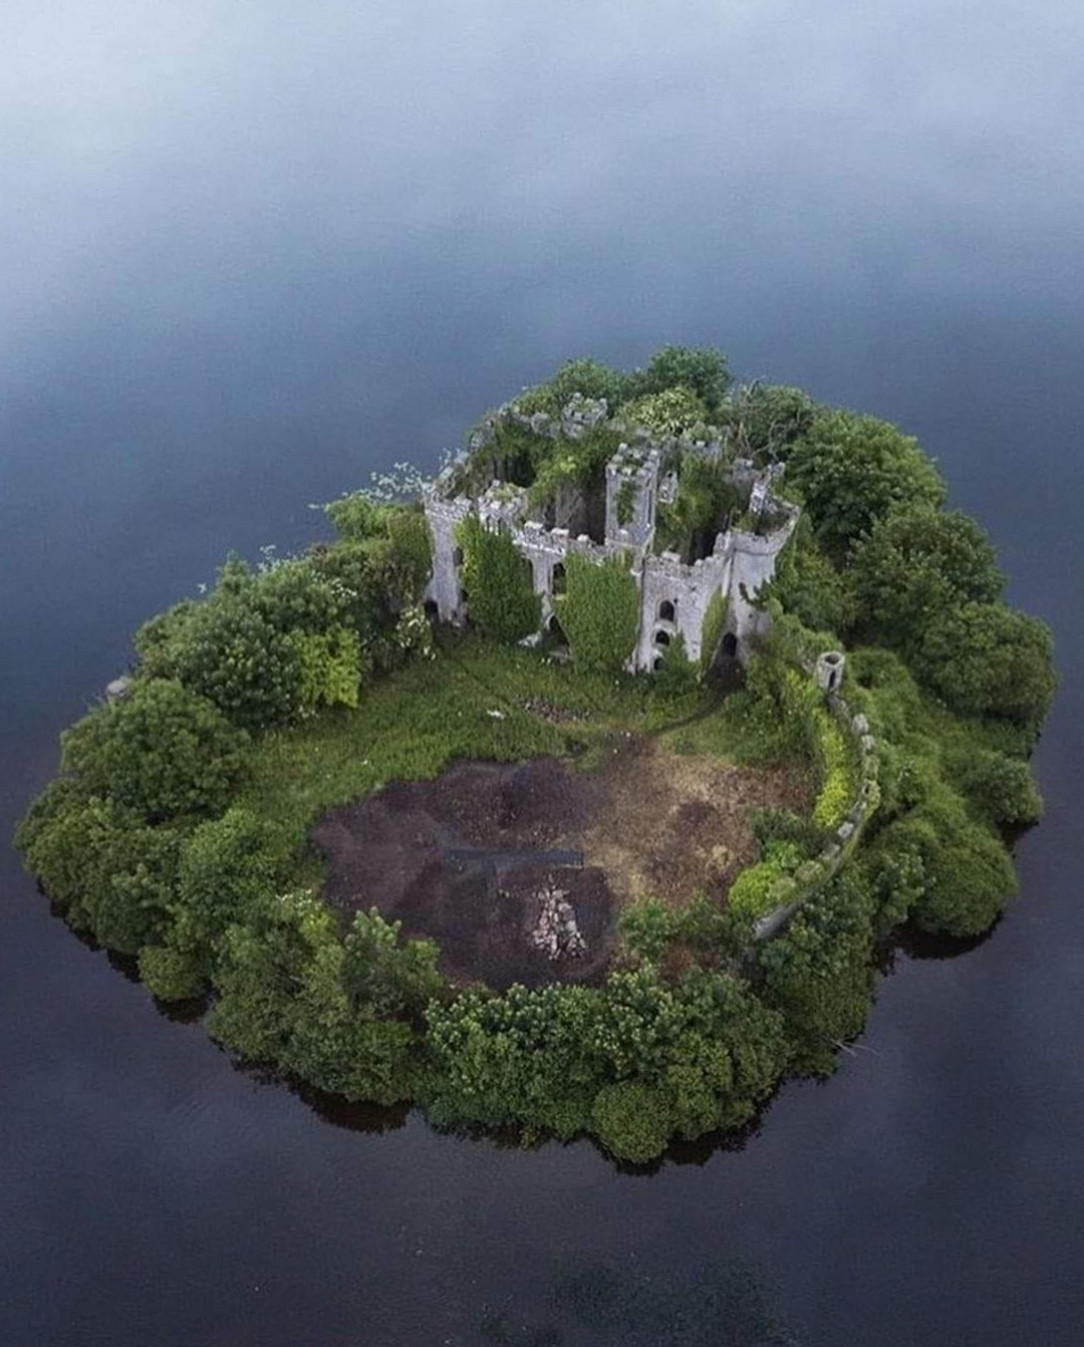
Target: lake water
{"x":251,"y":254}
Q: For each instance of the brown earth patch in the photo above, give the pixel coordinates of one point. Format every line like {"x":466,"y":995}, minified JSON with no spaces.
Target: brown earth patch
{"x":650,"y":823}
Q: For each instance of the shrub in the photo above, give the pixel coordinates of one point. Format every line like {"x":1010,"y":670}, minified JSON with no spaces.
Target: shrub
{"x":702,"y":371}
{"x":676,"y":675}
{"x":330,"y":667}
{"x":772,"y":826}
{"x":384,"y":973}
{"x":806,"y":583}
{"x":758,"y":890}
{"x":818,"y":974}
{"x":227,"y":868}
{"x":228,"y":652}
{"x":170,"y":974}
{"x":1000,"y":789}
{"x":648,"y":927}
{"x":633,"y":1121}
{"x":987,"y":659}
{"x":162,"y":751}
{"x":101,"y":863}
{"x":852,"y":470}
{"x":600,"y":613}
{"x":501,"y":595}
{"x":667,"y":413}
{"x":837,"y":790}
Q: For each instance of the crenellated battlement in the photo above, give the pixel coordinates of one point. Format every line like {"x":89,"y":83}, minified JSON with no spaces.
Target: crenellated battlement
{"x":676,"y":596}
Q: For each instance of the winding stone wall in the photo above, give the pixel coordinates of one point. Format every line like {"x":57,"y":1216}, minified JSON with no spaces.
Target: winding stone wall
{"x":793,"y":890}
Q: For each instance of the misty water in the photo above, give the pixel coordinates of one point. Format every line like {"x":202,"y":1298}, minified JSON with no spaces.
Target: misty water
{"x":249,"y":254}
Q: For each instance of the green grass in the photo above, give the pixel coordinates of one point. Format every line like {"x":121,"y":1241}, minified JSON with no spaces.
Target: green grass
{"x":467,"y":703}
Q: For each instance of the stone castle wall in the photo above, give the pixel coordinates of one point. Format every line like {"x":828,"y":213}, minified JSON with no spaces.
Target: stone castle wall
{"x":674,"y":596}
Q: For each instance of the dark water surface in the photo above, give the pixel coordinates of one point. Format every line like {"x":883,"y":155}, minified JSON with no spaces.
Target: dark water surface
{"x":251,"y":253}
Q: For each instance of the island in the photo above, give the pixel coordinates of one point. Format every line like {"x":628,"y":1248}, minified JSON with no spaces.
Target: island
{"x":581,"y":787}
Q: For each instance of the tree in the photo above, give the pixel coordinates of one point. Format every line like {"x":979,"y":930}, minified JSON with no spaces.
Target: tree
{"x":227,"y":868}
{"x":818,"y":971}
{"x":162,"y":751}
{"x":667,"y":413}
{"x":852,"y":470}
{"x":227,"y":651}
{"x":101,"y":863}
{"x":988,"y":659}
{"x":589,"y":378}
{"x":809,"y":586}
{"x":703,"y":371}
{"x":764,"y":420}
{"x":917,"y":561}
{"x":384,"y":973}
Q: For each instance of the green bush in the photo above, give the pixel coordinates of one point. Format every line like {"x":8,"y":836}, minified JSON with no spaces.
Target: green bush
{"x":501,"y":596}
{"x":162,"y":751}
{"x":676,"y":677}
{"x":999,"y":789}
{"x":667,"y":413}
{"x":987,"y":659}
{"x":226,"y":651}
{"x":702,"y":371}
{"x":648,"y":927}
{"x":101,"y":863}
{"x":330,"y":667}
{"x":227,"y":868}
{"x":600,"y":613}
{"x":808,"y":586}
{"x":171,"y":974}
{"x":838,"y":789}
{"x":589,"y":378}
{"x":758,"y":890}
{"x":633,"y":1121}
{"x":818,"y":973}
{"x":852,"y":471}
{"x":916,"y":562}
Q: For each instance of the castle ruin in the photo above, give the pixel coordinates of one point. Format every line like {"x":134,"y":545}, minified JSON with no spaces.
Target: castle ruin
{"x":674,"y":594}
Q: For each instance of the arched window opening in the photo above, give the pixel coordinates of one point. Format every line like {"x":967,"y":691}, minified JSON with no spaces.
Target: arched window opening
{"x":658,"y":663}
{"x":666,"y":611}
{"x":557,"y":632}
{"x":432,"y":612}
{"x":558,"y":578}
{"x":662,"y":638}
{"x":730,"y":645}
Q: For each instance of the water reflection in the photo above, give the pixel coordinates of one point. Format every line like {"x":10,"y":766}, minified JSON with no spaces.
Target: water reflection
{"x":602,"y":1302}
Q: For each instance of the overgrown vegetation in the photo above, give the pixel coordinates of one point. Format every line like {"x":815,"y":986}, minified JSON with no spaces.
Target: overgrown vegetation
{"x":600,"y":613}
{"x":178,"y":828}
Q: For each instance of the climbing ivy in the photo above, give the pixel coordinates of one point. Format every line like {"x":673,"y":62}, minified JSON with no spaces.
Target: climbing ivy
{"x":711,"y":631}
{"x":500,"y":596}
{"x":600,"y":612}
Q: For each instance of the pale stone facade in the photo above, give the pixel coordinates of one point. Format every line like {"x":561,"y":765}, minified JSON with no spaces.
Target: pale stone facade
{"x":674,"y":596}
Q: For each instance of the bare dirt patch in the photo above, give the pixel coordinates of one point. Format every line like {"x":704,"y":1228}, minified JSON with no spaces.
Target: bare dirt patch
{"x":648,"y":822}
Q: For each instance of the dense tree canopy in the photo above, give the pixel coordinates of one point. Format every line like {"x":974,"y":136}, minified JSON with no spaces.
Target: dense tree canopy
{"x":161,"y":751}
{"x":986,"y":659}
{"x":917,"y":562}
{"x":853,"y":470}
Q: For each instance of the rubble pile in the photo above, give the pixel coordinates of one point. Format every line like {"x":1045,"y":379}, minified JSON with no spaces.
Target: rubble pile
{"x":556,"y":931}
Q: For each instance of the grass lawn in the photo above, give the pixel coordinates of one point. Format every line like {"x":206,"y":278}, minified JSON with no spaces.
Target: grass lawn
{"x":476,"y":700}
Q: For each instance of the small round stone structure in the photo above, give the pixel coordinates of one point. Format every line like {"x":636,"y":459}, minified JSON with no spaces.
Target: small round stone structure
{"x":829,"y":670}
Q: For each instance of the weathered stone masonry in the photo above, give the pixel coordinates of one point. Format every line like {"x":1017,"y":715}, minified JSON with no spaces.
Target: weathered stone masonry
{"x":674,"y":596}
